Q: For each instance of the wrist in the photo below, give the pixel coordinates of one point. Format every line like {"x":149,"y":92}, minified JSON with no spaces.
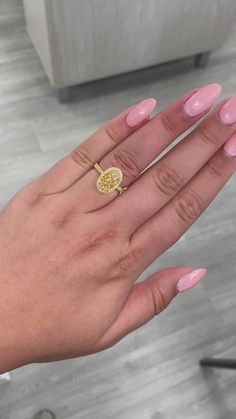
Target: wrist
{"x":9,"y":352}
{"x":11,"y":333}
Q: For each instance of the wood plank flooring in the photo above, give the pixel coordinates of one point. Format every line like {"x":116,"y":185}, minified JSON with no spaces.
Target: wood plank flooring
{"x":153,"y":373}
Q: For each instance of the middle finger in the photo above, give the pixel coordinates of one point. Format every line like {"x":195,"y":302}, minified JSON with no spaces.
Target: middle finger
{"x":161,"y":182}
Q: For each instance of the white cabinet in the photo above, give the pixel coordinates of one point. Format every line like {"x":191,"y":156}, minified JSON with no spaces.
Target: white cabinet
{"x":82,"y":40}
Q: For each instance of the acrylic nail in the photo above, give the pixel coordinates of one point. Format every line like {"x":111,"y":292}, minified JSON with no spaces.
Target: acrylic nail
{"x":227,"y":113}
{"x":202,"y":100}
{"x":191,"y":279}
{"x":230,"y":146}
{"x":141,"y":112}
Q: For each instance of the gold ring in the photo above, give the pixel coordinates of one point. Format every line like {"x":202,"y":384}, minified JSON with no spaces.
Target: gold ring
{"x":109,"y":179}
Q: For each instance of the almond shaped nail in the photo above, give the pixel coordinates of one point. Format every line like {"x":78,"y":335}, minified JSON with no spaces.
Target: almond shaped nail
{"x":141,"y":112}
{"x":202,"y":100}
{"x":230,"y":146}
{"x":191,"y":279}
{"x":227,"y":113}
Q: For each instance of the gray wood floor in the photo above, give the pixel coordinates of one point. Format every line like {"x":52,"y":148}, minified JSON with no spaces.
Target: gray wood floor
{"x":153,"y":373}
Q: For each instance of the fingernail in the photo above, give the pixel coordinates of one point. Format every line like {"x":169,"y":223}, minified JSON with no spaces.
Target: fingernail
{"x":190,"y":280}
{"x":202,"y":100}
{"x":141,"y":112}
{"x":227,"y":113}
{"x":230,"y":146}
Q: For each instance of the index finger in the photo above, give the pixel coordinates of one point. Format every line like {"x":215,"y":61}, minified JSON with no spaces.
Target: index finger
{"x":70,"y":169}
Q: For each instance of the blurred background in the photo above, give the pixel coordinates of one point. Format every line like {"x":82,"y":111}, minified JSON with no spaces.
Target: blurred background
{"x":66,"y":67}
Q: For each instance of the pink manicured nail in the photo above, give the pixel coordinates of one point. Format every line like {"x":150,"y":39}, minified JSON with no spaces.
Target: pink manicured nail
{"x":190,"y":280}
{"x":140,"y":112}
{"x":230,"y":146}
{"x":202,"y":100}
{"x":227,"y":113}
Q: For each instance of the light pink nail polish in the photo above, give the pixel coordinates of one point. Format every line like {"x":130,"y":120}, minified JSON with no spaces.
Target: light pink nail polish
{"x":141,"y":112}
{"x":227,"y":113}
{"x":202,"y":100}
{"x":190,"y":280}
{"x":230,"y":146}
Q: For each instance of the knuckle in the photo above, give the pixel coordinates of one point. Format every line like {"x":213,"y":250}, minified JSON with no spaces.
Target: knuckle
{"x":158,"y":297}
{"x":29,"y":194}
{"x":215,"y":169}
{"x":167,"y":179}
{"x":112,"y":135}
{"x":127,"y":262}
{"x":170,"y":125}
{"x":98,"y":239}
{"x":82,"y":157}
{"x":127,"y":162}
{"x":188,"y":207}
{"x":208,"y":136}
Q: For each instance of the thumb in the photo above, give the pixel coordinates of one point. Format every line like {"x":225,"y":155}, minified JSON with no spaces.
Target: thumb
{"x":147,"y":299}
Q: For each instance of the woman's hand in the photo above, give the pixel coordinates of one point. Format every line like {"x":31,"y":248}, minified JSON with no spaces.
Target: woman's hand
{"x":70,"y":255}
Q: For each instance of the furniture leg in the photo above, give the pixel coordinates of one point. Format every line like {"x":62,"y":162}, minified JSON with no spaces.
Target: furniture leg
{"x":201,"y":60}
{"x":64,"y":94}
{"x":218,"y":363}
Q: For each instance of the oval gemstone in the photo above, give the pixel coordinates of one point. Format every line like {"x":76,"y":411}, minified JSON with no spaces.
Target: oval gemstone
{"x":109,"y":180}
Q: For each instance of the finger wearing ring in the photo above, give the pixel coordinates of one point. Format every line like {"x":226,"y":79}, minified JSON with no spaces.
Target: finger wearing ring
{"x":133,"y":156}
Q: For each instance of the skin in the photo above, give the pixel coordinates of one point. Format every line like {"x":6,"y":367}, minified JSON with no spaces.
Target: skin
{"x":70,"y":256}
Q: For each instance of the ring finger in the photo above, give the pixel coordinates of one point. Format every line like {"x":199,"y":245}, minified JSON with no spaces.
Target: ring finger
{"x":142,"y":147}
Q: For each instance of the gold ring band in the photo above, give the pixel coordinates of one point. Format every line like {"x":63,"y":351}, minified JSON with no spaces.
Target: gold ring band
{"x":109,"y":179}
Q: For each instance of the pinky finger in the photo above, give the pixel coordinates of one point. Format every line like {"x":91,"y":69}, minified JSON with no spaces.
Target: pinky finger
{"x":147,"y":299}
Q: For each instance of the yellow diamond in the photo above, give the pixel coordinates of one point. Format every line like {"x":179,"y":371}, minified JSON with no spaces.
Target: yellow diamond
{"x":109,"y":180}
